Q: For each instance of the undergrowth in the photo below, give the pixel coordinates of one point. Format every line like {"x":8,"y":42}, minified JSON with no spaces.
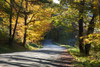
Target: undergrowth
{"x":93,"y":60}
{"x":16,"y":48}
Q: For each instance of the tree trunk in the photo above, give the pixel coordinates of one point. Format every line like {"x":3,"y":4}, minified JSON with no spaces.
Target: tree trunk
{"x":25,"y":33}
{"x":10,"y":27}
{"x":81,"y":47}
{"x":12,"y":39}
{"x":14,"y":29}
{"x":91,"y":26}
{"x":90,"y":31}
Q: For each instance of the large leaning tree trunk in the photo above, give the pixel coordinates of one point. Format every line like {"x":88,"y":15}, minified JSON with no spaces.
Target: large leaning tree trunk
{"x":81,"y":47}
{"x":17,"y":18}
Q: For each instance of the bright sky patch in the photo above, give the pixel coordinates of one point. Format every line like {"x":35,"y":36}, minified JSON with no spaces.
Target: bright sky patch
{"x":56,"y":1}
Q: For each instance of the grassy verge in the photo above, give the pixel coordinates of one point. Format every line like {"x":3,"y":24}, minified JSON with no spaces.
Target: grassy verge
{"x":66,"y":46}
{"x":93,"y":60}
{"x":17,"y":48}
{"x":6,"y":49}
{"x":85,"y":61}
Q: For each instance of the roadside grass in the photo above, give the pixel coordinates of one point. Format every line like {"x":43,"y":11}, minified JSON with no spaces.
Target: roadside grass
{"x":66,"y":46}
{"x":16,"y":48}
{"x":32,"y":46}
{"x":93,"y":60}
{"x":7,"y":49}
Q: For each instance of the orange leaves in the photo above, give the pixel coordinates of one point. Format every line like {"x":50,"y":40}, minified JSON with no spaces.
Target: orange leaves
{"x":38,"y":20}
{"x":39,"y":28}
{"x":49,"y":15}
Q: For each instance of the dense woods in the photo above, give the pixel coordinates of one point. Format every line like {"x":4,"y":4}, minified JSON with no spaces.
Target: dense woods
{"x":27,"y":23}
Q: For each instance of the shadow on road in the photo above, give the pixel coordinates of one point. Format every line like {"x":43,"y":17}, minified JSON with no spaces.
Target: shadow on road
{"x":31,"y":60}
{"x":48,"y":56}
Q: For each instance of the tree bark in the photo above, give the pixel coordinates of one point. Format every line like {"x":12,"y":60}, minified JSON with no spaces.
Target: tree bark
{"x":81,"y":47}
{"x":12,"y":39}
{"x":25,"y":32}
{"x":91,"y":26}
{"x":10,"y":26}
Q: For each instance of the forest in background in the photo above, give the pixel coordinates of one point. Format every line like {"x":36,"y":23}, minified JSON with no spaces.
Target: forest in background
{"x":31,"y":22}
{"x":25,"y":24}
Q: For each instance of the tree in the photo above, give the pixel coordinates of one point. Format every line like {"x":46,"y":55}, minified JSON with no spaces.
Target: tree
{"x":89,"y":7}
{"x":17,"y":18}
{"x":25,"y":33}
{"x":81,"y":47}
{"x":10,"y":20}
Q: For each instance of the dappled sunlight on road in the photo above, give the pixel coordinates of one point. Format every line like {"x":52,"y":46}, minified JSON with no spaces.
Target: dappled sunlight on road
{"x":48,"y":56}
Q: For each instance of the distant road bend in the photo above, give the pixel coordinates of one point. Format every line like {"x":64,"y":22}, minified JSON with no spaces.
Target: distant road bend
{"x":48,"y":56}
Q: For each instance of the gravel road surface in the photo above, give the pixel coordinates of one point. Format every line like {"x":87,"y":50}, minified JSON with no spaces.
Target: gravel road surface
{"x":48,"y":56}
